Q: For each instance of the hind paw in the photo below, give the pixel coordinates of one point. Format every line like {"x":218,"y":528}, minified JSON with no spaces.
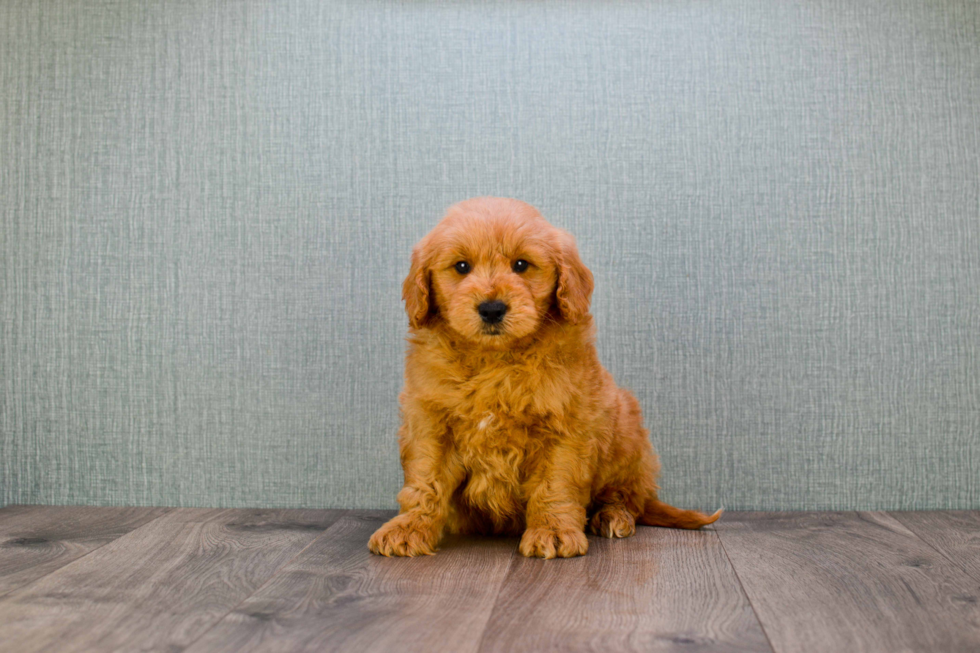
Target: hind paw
{"x":612,"y":521}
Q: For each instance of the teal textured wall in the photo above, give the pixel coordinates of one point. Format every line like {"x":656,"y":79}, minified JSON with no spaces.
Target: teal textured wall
{"x":206,"y":210}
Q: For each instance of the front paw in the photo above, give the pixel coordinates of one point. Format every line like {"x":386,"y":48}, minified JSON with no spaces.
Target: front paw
{"x":551,"y":543}
{"x":404,"y":536}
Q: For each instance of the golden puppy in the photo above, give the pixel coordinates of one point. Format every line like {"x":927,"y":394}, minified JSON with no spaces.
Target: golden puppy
{"x":510,"y":423}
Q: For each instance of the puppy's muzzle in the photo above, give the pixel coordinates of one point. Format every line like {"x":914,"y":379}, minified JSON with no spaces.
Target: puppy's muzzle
{"x":492,"y":312}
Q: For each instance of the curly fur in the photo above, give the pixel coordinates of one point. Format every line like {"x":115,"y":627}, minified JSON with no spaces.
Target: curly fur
{"x":516,"y":429}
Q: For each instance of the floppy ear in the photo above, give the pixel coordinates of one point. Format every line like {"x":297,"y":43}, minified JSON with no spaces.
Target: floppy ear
{"x":416,"y":290}
{"x":574,"y":289}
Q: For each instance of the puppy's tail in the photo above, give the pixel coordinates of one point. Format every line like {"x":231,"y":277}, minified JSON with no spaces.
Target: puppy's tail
{"x":658,"y":513}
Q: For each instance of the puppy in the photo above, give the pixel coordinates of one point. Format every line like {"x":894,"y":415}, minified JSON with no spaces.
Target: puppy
{"x":510,"y":424}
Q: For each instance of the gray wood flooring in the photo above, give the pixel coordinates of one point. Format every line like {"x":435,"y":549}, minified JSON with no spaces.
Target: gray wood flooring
{"x":159,"y":579}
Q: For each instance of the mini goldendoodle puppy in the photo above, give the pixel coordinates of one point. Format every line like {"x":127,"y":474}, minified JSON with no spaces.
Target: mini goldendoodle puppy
{"x":510,"y":423}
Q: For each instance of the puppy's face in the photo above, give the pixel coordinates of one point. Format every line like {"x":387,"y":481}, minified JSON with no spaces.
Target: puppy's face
{"x":494,"y":270}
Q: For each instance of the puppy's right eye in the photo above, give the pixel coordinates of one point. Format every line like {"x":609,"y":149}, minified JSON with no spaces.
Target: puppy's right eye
{"x":462,"y":267}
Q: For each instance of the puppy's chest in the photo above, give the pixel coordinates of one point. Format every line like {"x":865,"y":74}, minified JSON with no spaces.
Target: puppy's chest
{"x":502,"y":396}
{"x":492,"y":434}
{"x":495,"y":418}
{"x":499,"y":454}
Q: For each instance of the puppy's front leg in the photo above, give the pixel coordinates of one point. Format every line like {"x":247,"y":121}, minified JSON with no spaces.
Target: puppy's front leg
{"x":430,"y":480}
{"x":556,"y":510}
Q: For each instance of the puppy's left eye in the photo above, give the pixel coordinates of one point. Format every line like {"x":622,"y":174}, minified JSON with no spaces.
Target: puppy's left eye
{"x":520,"y":265}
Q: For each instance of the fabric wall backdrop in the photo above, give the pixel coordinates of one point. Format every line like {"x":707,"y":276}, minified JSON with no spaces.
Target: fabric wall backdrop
{"x":206,"y":211}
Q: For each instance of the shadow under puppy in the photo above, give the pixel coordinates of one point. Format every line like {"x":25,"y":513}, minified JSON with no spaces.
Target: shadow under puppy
{"x":510,"y":423}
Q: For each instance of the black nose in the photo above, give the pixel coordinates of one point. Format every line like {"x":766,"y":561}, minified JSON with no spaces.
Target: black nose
{"x":492,"y":312}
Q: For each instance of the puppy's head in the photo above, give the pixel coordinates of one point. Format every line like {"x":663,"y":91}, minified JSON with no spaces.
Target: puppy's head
{"x":493,"y":270}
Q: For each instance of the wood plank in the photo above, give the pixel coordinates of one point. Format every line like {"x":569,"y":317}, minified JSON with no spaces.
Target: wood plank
{"x":954,"y":533}
{"x":660,"y":590}
{"x":337,"y":596}
{"x":160,"y":586}
{"x":36,"y":540}
{"x":850,"y":582}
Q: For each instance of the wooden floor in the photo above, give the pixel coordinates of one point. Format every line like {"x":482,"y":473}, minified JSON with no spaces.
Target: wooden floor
{"x":135,"y":579}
